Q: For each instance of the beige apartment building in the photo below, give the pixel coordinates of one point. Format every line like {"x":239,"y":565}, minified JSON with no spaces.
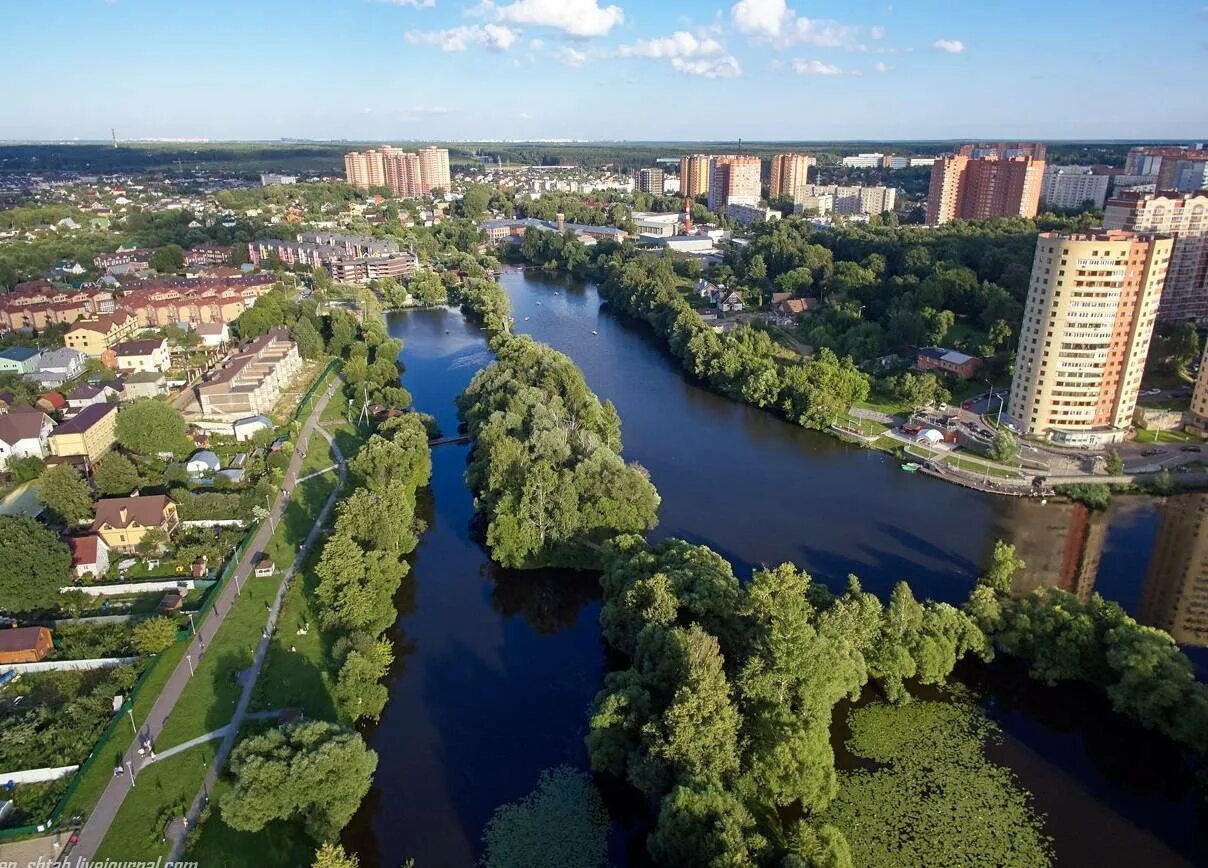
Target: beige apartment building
{"x":93,"y":336}
{"x":1185,"y":216}
{"x":790,"y":176}
{"x":734,"y":180}
{"x":694,"y":175}
{"x":1092,"y":303}
{"x":89,"y":433}
{"x":253,"y":380}
{"x":977,"y":188}
{"x":406,"y":173}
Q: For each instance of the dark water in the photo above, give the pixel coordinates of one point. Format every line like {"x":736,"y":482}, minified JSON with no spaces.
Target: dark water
{"x":503,"y":665}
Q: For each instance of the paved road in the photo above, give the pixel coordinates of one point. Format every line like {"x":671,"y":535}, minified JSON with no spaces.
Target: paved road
{"x":106,"y":809}
{"x":180,"y":832}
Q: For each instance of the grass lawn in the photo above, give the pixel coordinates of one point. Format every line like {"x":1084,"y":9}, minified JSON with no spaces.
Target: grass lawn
{"x":1146,"y":435}
{"x":964,"y":336}
{"x":162,"y":791}
{"x":889,"y":408}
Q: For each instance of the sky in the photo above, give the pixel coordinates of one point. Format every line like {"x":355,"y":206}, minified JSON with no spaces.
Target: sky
{"x":395,"y":70}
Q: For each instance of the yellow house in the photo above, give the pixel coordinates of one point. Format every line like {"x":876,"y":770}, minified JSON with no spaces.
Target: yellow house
{"x":90,"y":432}
{"x":122,"y":522}
{"x":93,"y":336}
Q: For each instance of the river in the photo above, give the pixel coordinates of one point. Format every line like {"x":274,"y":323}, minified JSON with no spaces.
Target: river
{"x":496,"y":668}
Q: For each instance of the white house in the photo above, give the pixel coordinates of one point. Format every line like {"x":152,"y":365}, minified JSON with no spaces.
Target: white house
{"x":244,"y":428}
{"x":24,"y":434}
{"x":202,"y":462}
{"x":213,"y":334}
{"x":89,"y":554}
{"x":85,"y":395}
{"x":140,"y":356}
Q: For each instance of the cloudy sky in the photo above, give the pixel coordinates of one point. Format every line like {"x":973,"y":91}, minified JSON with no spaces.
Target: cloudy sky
{"x":595,"y":69}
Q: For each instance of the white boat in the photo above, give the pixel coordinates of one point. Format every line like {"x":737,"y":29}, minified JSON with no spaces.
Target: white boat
{"x":594,"y":332}
{"x":526,"y":319}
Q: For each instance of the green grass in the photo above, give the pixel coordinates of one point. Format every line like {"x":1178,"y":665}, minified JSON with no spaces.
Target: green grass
{"x":1146,"y":435}
{"x":162,"y":791}
{"x":965,"y":337}
{"x":889,"y":408}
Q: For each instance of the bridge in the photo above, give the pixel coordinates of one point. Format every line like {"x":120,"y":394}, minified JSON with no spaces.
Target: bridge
{"x":441,"y":441}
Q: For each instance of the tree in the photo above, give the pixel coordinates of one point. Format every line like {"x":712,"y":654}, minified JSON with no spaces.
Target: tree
{"x":1004,"y":564}
{"x":149,"y":426}
{"x":34,"y":564}
{"x":154,"y":634}
{"x":1115,"y":464}
{"x":169,"y":259}
{"x":308,"y":339}
{"x":25,"y":469}
{"x":334,"y":856}
{"x":153,"y":542}
{"x":66,"y":493}
{"x":116,"y":475}
{"x":561,"y":823}
{"x":1003,"y":448}
{"x":317,"y":771}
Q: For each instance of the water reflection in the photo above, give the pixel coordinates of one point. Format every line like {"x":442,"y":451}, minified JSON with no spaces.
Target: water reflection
{"x":549,"y":600}
{"x":1061,"y":545}
{"x":1175,"y":596}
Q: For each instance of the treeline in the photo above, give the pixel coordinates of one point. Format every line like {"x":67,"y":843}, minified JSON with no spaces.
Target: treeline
{"x":546,"y":466}
{"x":724,"y":711}
{"x":484,"y":301}
{"x":1141,"y":670}
{"x":361,"y":567}
{"x":743,"y":364}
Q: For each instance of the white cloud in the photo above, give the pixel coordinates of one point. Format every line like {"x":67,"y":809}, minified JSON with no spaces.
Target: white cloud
{"x":814,"y":67}
{"x":679,"y":44}
{"x":571,"y":56}
{"x":881,"y":66}
{"x":708,"y":67}
{"x":773,"y":21}
{"x":577,"y":18}
{"x":419,"y":4}
{"x":952,"y":46}
{"x":490,"y":36}
{"x":536,"y":44}
{"x":764,"y":19}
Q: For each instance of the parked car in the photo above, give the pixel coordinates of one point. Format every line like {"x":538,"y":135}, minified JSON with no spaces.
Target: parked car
{"x":1154,"y":451}
{"x":1191,"y":448}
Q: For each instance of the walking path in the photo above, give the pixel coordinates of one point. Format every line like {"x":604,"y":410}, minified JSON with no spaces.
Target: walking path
{"x":209,"y":736}
{"x":178,"y":834}
{"x":106,"y":809}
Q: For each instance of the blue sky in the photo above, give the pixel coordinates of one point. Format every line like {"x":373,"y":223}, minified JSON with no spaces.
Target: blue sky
{"x":593,"y":69}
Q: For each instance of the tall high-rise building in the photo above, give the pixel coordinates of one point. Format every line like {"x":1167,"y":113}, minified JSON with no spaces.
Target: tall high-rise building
{"x":1092,"y":302}
{"x":969,"y":187}
{"x":734,"y":180}
{"x":406,"y":173}
{"x":790,"y":176}
{"x":650,"y":181}
{"x":1185,"y":216}
{"x":1175,"y":595}
{"x":1199,"y":397}
{"x":694,"y":175}
{"x":1176,"y":168}
{"x":434,"y":168}
{"x":1074,"y":186}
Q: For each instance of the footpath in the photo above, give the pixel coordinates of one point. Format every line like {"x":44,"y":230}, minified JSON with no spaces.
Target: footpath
{"x":102,"y":816}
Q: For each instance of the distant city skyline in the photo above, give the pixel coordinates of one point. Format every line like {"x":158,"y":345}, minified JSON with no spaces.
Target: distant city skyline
{"x":525,"y":70}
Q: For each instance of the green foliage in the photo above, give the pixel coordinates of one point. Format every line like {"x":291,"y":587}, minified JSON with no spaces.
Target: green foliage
{"x":66,"y":494}
{"x":34,"y":564}
{"x":115,"y":475}
{"x":933,"y":798}
{"x":914,"y":390}
{"x":149,"y":426}
{"x":1003,"y":448}
{"x":427,"y":289}
{"x":561,"y":823}
{"x":153,"y":635}
{"x":1115,"y":464}
{"x":308,"y":339}
{"x":1091,"y":494}
{"x":1000,"y":575}
{"x":486,"y":302}
{"x":546,"y":464}
{"x":315,"y":771}
{"x":25,"y":469}
{"x":169,"y":259}
{"x":334,"y":856}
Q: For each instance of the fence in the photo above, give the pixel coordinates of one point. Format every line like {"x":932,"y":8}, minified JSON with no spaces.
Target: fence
{"x":124,"y":588}
{"x":213,"y":522}
{"x":321,"y":380}
{"x":67,"y":665}
{"x":35,"y":776}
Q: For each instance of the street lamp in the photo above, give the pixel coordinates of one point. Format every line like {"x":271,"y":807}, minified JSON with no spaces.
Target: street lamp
{"x":189,"y":660}
{"x":130,"y":711}
{"x":130,"y":766}
{"x":998,"y":418}
{"x":191,"y":624}
{"x":269,"y":503}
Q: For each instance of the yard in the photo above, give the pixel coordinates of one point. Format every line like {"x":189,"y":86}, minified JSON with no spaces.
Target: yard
{"x":1152,"y":435}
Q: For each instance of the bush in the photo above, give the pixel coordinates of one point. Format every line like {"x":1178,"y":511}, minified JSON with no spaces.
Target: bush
{"x":154,"y":635}
{"x":1090,"y":494}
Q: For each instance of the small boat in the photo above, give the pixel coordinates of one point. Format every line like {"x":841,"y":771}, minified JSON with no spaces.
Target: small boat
{"x":594,"y":332}
{"x":555,"y":292}
{"x":910,"y":467}
{"x":538,"y":304}
{"x":526,"y":319}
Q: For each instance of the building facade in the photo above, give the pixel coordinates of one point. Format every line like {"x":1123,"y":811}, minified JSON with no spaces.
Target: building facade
{"x":1074,"y":186}
{"x":93,"y":336}
{"x":252,"y":381}
{"x":1092,"y":303}
{"x":1175,"y":595}
{"x":89,"y":433}
{"x":977,"y":188}
{"x":1184,"y":216}
{"x":694,"y":175}
{"x":650,"y":181}
{"x":734,"y":180}
{"x":790,"y":176}
{"x":406,"y":173}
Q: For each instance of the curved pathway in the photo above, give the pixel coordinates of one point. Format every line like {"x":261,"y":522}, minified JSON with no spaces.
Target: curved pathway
{"x":102,"y":816}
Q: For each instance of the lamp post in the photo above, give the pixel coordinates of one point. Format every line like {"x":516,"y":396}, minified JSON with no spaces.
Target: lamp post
{"x":269,"y":503}
{"x":130,"y":766}
{"x":997,"y":418}
{"x":189,"y":660}
{"x":192,"y":626}
{"x":130,"y":711}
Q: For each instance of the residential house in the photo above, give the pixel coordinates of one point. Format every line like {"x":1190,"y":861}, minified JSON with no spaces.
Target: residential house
{"x":85,"y":395}
{"x":202,"y":463}
{"x":244,"y":429}
{"x":51,"y":402}
{"x":213,"y":334}
{"x":786,"y":310}
{"x":19,"y":360}
{"x":253,"y":380}
{"x":122,"y":522}
{"x":947,"y":361}
{"x":93,"y":336}
{"x":56,"y":367}
{"x":89,"y":555}
{"x":24,"y":435}
{"x":24,"y":645}
{"x":150,"y":354}
{"x":143,"y":384}
{"x":729,"y":301}
{"x":89,"y":433}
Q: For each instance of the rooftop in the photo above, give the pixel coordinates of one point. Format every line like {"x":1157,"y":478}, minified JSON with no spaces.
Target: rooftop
{"x":86,"y":418}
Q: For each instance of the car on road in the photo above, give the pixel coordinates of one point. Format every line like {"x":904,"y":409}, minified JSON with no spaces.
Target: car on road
{"x":1154,"y":451}
{"x":1151,"y":391}
{"x":1191,"y":448}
